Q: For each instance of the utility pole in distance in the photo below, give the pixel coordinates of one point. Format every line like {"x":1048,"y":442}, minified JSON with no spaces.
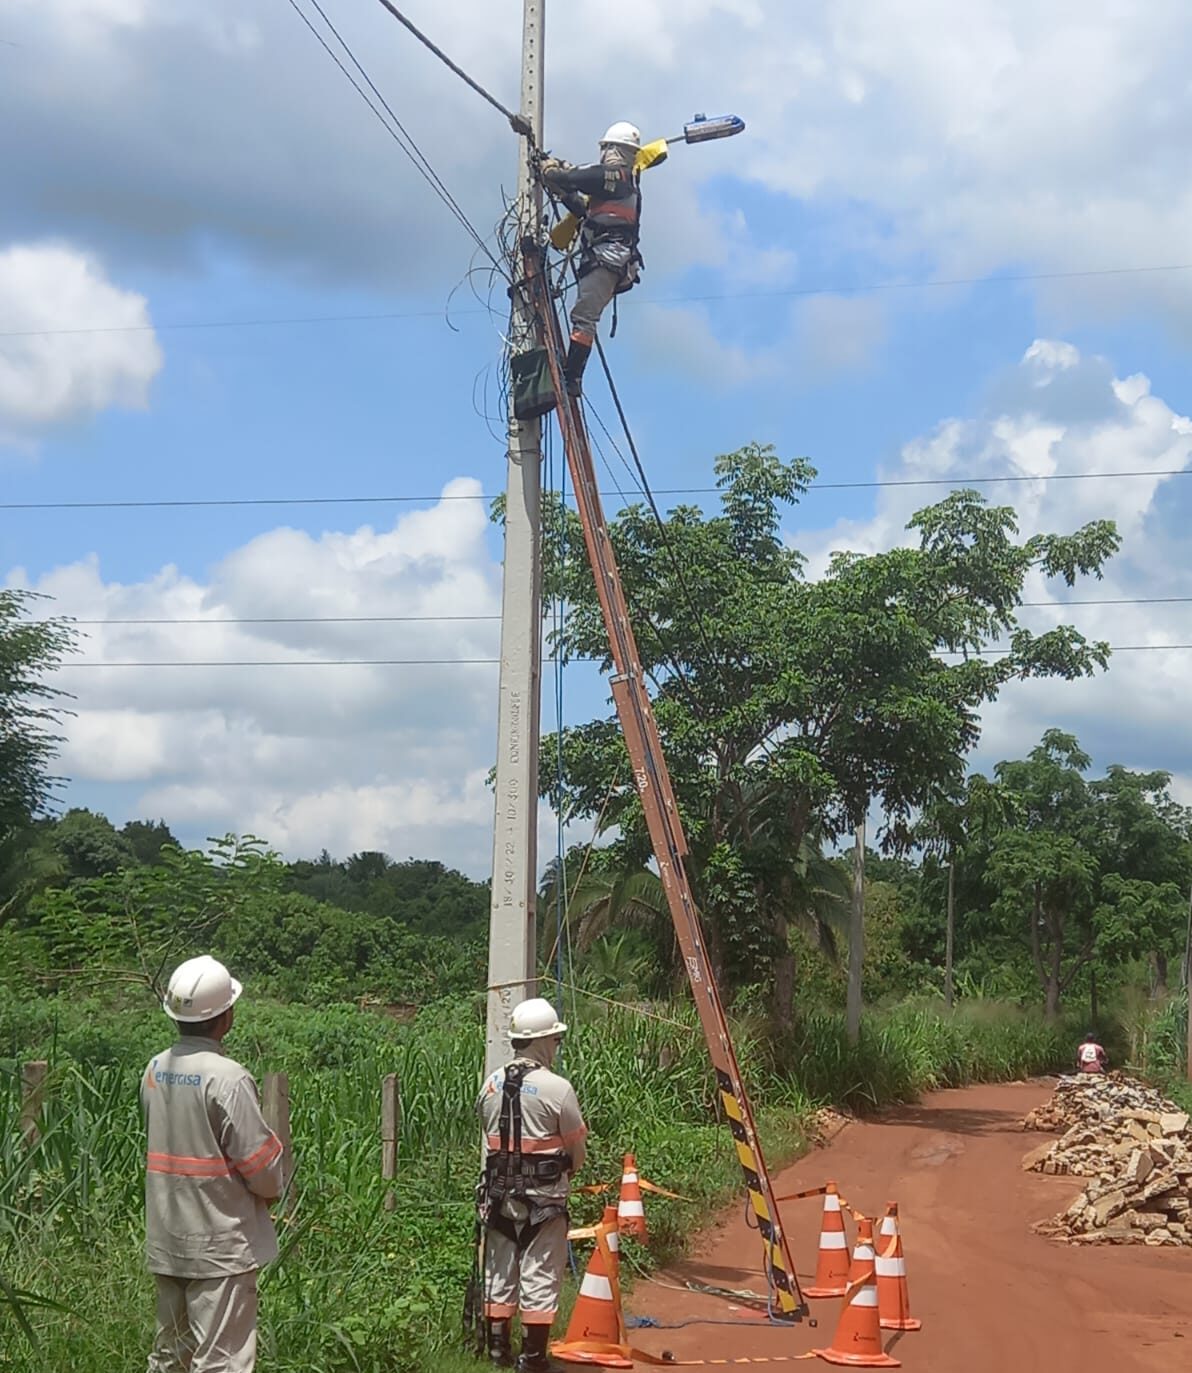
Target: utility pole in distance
{"x":856,"y":938}
{"x":511,"y":930}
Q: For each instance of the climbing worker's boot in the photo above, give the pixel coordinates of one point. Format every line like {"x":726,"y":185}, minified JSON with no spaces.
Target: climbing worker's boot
{"x":573,"y":369}
{"x":533,"y":1357}
{"x":500,"y":1347}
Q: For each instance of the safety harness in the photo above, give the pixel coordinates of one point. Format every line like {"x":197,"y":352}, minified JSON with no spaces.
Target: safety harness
{"x":611,"y":229}
{"x":510,"y":1175}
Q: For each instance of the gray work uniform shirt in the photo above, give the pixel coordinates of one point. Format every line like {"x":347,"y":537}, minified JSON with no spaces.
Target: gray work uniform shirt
{"x":212,"y":1165}
{"x":551,"y":1121}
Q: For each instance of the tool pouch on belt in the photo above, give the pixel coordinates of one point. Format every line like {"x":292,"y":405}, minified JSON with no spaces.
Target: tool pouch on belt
{"x":533,"y":390}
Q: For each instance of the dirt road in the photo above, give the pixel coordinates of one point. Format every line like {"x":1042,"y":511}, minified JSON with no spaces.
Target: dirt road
{"x":993,"y":1297}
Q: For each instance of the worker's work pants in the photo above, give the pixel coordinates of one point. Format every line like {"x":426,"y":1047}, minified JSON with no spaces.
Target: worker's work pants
{"x":596,"y":288}
{"x":205,"y":1325}
{"x":527,"y":1281}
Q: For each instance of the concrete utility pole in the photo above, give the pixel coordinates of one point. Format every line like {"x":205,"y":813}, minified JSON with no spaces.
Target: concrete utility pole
{"x":1188,"y":992}
{"x":856,"y":939}
{"x":950,"y":931}
{"x":511,"y":931}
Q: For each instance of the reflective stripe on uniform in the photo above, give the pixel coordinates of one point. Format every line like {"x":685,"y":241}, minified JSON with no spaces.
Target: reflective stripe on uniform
{"x":551,"y":1144}
{"x":262,"y":1158}
{"x":184,"y":1166}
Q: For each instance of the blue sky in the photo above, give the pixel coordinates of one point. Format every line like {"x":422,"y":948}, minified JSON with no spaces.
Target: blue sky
{"x":173,"y":170}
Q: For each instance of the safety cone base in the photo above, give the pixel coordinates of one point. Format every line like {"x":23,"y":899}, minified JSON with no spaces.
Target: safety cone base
{"x":900,"y":1323}
{"x":856,"y":1360}
{"x":591,"y":1352}
{"x":826,"y":1291}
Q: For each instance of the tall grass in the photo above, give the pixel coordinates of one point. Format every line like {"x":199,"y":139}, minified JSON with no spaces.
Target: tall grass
{"x":1157,"y":1038}
{"x":914,"y":1048}
{"x":361,"y":1288}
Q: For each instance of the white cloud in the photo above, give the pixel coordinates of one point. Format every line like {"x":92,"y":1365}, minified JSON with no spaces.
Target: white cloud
{"x":919,"y":138}
{"x":1062,"y":412}
{"x":392,"y":757}
{"x":49,"y":379}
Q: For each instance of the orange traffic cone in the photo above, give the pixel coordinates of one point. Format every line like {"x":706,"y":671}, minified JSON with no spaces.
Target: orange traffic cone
{"x":858,"y":1338}
{"x":831,"y":1268}
{"x":596,"y":1331}
{"x":893,"y":1299}
{"x":631,"y":1214}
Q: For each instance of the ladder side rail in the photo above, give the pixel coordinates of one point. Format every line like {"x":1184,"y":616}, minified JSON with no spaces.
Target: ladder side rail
{"x":652,"y":780}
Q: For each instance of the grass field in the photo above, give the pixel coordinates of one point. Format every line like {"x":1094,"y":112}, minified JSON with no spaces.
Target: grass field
{"x":361,"y":1288}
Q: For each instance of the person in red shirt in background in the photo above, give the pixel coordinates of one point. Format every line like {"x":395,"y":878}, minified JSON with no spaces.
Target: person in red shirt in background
{"x":1091,"y":1057}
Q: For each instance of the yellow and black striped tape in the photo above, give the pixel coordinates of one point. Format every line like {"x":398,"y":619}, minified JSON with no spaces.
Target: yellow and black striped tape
{"x":775,"y":1260}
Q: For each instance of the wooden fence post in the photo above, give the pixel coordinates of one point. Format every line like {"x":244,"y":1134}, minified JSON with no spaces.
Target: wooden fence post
{"x":33,"y":1093}
{"x":390,"y":1132}
{"x":275,"y":1107}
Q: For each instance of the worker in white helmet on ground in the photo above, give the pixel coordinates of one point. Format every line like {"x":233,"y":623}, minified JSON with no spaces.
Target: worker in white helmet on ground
{"x":534,"y":1143}
{"x":606,"y":198}
{"x":213,"y":1166}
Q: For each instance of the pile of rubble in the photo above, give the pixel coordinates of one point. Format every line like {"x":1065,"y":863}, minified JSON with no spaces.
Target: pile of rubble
{"x":1136,"y":1149}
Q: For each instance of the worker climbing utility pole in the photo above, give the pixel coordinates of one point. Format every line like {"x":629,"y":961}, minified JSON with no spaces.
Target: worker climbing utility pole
{"x":511,"y":948}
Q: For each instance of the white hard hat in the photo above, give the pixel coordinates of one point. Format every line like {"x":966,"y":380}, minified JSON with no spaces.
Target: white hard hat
{"x":200,"y":989}
{"x":535,"y":1019}
{"x":624,"y":134}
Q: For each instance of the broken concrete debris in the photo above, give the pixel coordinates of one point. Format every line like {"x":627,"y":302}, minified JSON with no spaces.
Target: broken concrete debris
{"x":1136,"y":1150}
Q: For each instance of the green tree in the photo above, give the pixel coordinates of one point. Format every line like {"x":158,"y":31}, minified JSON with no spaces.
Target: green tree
{"x":422,"y":894}
{"x":804,"y":700}
{"x":135,"y":924}
{"x":90,"y":844}
{"x":954,"y":832}
{"x":147,"y":838}
{"x":31,"y":714}
{"x":1044,"y":863}
{"x":1142,"y":836}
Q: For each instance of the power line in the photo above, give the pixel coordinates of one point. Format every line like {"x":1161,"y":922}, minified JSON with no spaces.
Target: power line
{"x":449,"y":619}
{"x":275,"y":620}
{"x":287,"y":662}
{"x":401,"y":136}
{"x":516,"y":122}
{"x":868,"y":288}
{"x":1113,"y":648}
{"x":880,"y":484}
{"x":1008,"y":278}
{"x":492,"y":662}
{"x":231,"y":323}
{"x":1113,"y":600}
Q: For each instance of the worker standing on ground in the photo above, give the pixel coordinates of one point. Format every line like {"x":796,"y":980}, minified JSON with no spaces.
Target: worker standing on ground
{"x":213,"y":1166}
{"x":1091,"y":1057}
{"x":534,"y":1143}
{"x":606,"y":198}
